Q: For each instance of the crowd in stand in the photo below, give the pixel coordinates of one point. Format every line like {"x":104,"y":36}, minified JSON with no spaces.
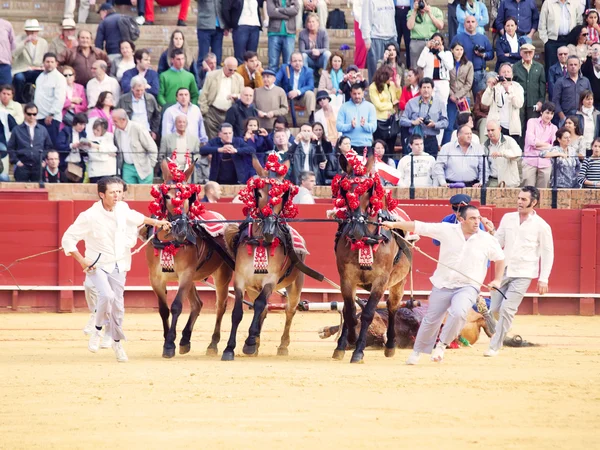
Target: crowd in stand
{"x":82,"y":107}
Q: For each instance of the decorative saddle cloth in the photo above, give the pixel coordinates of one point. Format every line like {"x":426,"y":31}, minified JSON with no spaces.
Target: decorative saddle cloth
{"x":214,"y":229}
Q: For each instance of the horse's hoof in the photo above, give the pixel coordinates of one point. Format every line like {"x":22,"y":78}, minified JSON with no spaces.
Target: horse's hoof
{"x":282,"y":351}
{"x":168,"y":352}
{"x":338,"y":354}
{"x":389,"y":352}
{"x":212,"y":351}
{"x":183,"y":349}
{"x":357,"y":358}
{"x":227,"y":356}
{"x":249,"y":349}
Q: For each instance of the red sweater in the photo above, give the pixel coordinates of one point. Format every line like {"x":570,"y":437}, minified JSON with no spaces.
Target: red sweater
{"x":406,"y":96}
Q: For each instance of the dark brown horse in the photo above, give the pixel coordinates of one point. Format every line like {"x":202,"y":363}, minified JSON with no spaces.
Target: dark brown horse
{"x":367,"y":256}
{"x":263,"y":261}
{"x":196,"y":256}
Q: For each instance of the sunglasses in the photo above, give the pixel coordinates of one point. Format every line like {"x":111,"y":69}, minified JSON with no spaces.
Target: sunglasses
{"x":585,"y":34}
{"x":69,"y":74}
{"x":31,"y":114}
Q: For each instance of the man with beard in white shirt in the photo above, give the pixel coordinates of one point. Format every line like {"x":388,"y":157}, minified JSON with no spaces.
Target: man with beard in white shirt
{"x":106,"y":228}
{"x":528,"y":245}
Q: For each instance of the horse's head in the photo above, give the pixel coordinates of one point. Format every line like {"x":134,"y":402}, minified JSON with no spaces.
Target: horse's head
{"x":176,"y":200}
{"x":359,"y":195}
{"x":268,"y":197}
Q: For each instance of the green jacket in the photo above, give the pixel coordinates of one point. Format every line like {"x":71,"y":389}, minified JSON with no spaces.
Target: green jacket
{"x":171,"y":81}
{"x":532,"y":82}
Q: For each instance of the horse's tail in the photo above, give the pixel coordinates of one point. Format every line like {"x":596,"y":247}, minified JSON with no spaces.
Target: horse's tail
{"x":230,"y":233}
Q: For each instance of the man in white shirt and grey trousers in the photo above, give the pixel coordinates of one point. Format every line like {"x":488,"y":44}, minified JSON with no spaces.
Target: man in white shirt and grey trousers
{"x":527,"y":242}
{"x":468,"y":249}
{"x":108,"y":230}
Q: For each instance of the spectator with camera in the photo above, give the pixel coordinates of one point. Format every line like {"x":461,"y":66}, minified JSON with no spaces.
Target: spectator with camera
{"x":478,"y":49}
{"x":437,"y":63}
{"x":426,"y":116}
{"x":378,"y":27}
{"x":505,"y":98}
{"x":391,"y":58}
{"x":68,"y":144}
{"x":352,"y":77}
{"x":422,"y":21}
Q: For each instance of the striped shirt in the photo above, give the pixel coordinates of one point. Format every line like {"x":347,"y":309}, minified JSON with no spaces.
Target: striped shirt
{"x":590,"y":171}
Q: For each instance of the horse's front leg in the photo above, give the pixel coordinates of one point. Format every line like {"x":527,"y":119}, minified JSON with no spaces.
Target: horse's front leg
{"x":186,"y":335}
{"x":349,"y":328}
{"x":236,"y":318}
{"x":176,"y":308}
{"x":366,"y":318}
{"x":259,"y":307}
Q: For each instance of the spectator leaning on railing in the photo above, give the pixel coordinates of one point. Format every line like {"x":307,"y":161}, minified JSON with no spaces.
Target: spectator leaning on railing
{"x":539,"y":137}
{"x":589,"y":174}
{"x":460,"y":162}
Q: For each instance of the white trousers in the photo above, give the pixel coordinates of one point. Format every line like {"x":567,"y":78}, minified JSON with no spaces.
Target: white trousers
{"x":110,"y":307}
{"x":505,"y":309}
{"x":84,"y":10}
{"x":454,"y":301}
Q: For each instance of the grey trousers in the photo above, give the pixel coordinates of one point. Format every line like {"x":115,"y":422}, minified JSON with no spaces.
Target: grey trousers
{"x":505,"y":309}
{"x":416,"y":48}
{"x":111,"y":306}
{"x":376,"y":52}
{"x":454,"y":301}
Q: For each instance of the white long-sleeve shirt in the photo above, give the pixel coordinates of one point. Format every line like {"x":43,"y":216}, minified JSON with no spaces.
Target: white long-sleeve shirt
{"x":50,"y":94}
{"x":195,"y":125}
{"x":525,"y":245}
{"x":109,"y":233}
{"x":470,"y":256}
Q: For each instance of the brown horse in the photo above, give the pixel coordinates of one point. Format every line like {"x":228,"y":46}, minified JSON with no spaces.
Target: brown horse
{"x":367,"y":256}
{"x":263,"y":262}
{"x":196,"y":256}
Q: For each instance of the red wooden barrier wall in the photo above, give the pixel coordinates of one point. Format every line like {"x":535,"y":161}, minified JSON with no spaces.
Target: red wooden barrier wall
{"x":32,"y":226}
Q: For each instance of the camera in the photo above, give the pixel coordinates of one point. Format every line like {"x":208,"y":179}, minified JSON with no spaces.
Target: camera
{"x":255,"y":132}
{"x":479,"y":48}
{"x":421,"y":5}
{"x":501,"y":79}
{"x":426,"y":120}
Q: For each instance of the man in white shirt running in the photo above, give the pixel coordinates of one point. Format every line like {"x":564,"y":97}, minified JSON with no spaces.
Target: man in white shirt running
{"x":465,"y":247}
{"x":527,"y":242}
{"x":106,"y":228}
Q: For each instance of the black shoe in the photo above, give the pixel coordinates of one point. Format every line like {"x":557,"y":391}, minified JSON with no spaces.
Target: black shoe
{"x":311,"y":118}
{"x":149,"y":23}
{"x":181,"y":23}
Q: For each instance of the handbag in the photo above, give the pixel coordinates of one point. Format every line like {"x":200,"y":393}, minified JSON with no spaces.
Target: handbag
{"x":74,"y":172}
{"x":68,"y":117}
{"x":389,"y":128}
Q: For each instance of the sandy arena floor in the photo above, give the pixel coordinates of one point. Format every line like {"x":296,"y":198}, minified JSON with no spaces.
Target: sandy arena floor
{"x":55,"y":394}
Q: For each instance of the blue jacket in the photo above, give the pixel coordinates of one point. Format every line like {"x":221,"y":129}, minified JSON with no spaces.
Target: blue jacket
{"x":285,"y":79}
{"x":503,"y":47}
{"x":468,"y":42}
{"x":21,"y":148}
{"x":151,"y":79}
{"x":64,"y":140}
{"x":525,"y":11}
{"x":361,"y":135}
{"x":108,"y":31}
{"x":554,"y":74}
{"x":240,"y":162}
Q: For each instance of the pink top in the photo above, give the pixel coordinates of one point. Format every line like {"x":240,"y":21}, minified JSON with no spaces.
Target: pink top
{"x":99,"y":113}
{"x":78,"y":91}
{"x":538,"y":132}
